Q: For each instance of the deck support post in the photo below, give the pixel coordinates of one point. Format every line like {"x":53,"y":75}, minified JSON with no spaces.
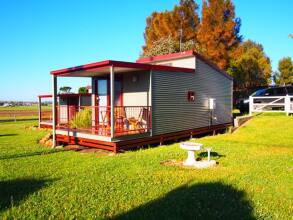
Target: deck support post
{"x":112,"y":100}
{"x":54,"y":101}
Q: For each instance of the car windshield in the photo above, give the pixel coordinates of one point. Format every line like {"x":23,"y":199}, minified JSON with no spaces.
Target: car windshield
{"x":258,"y":92}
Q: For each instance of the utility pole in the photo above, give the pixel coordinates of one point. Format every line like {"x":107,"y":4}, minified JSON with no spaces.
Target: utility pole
{"x":180,"y":42}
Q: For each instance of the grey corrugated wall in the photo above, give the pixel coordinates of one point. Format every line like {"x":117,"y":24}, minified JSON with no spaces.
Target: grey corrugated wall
{"x":171,"y":110}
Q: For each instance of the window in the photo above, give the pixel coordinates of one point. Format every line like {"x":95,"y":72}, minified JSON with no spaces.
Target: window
{"x":269,"y":92}
{"x":191,"y":96}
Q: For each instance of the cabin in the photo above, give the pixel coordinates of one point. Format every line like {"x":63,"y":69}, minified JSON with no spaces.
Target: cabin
{"x":133,"y":104}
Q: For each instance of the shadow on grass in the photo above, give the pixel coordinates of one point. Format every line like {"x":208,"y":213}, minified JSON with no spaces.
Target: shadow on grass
{"x":214,"y":155}
{"x":201,"y":201}
{"x":12,"y":192}
{"x":7,"y":135}
{"x":14,"y":156}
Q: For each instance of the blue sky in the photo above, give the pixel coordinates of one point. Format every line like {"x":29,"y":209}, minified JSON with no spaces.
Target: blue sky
{"x":40,"y":36}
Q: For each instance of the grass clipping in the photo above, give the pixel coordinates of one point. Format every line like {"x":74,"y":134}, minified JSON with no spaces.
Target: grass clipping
{"x":82,"y":119}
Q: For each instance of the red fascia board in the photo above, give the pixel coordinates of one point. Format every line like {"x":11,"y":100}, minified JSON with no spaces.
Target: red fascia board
{"x":165,"y":57}
{"x":113,"y":63}
{"x":66,"y":95}
{"x":45,"y":96}
{"x":74,"y":94}
{"x":80,"y":68}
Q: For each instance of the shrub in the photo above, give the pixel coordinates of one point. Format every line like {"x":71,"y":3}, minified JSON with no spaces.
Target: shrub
{"x":82,"y":119}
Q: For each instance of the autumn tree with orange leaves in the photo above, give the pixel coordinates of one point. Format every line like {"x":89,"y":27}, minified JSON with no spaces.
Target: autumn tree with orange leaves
{"x":216,"y":36}
{"x":219,"y":31}
{"x":170,"y":27}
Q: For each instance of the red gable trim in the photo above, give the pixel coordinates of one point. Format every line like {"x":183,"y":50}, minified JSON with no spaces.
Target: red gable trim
{"x":114,"y":63}
{"x":165,"y":57}
{"x":182,"y":55}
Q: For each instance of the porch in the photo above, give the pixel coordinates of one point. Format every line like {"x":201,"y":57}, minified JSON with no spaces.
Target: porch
{"x":118,"y":107}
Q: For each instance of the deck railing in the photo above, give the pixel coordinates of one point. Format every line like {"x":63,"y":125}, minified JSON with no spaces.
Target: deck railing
{"x":46,"y":116}
{"x":96,"y":119}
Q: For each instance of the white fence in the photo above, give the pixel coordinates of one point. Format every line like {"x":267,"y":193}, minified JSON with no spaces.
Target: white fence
{"x":271,"y":104}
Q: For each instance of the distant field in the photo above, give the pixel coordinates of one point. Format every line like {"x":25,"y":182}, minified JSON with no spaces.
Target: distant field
{"x":33,"y":107}
{"x":21,"y":112}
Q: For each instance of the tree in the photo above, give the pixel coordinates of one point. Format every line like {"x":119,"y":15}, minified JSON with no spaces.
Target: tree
{"x":251,"y":67}
{"x":285,"y":68}
{"x":65,"y":89}
{"x":83,"y":90}
{"x":169,"y":45}
{"x":180,"y":24}
{"x":219,"y":31}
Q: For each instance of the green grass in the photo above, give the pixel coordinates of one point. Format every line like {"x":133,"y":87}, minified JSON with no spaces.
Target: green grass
{"x":253,"y":179}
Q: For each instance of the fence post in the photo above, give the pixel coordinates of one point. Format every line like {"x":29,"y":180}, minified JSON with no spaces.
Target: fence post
{"x":287,"y":104}
{"x":250,"y":105}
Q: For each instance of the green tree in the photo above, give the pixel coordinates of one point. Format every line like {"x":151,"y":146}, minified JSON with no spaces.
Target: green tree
{"x":83,"y":90}
{"x":251,"y":67}
{"x":65,"y":89}
{"x":179,"y":24}
{"x":219,"y":31}
{"x":168,"y":45}
{"x":285,"y":68}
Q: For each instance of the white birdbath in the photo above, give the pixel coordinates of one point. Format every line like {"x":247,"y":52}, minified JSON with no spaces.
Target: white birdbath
{"x":191,"y":147}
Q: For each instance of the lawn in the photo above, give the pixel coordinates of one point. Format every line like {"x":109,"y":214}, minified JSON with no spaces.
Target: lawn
{"x":253,"y":180}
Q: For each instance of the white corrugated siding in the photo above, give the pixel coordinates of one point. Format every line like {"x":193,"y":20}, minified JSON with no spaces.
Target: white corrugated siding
{"x":171,"y":110}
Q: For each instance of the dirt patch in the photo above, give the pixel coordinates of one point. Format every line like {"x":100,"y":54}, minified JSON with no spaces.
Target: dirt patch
{"x":176,"y":163}
{"x":98,"y":152}
{"x":73,"y":147}
{"x":87,"y":150}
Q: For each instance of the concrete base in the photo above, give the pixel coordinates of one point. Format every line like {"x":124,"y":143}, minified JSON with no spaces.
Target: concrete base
{"x":204,"y":164}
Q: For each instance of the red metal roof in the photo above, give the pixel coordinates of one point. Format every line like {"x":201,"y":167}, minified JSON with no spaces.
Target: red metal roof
{"x":184,"y":54}
{"x":108,"y":63}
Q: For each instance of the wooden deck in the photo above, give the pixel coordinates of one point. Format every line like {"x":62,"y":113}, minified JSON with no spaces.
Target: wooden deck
{"x":118,"y":146}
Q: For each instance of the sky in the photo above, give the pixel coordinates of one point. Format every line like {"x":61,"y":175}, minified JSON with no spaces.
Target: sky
{"x":38,"y":36}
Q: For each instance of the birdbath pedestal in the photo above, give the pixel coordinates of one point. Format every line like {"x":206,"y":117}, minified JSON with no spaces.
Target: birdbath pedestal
{"x":191,"y":147}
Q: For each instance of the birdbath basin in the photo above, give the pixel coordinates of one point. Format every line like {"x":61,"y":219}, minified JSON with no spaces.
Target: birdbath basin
{"x":191,"y":147}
